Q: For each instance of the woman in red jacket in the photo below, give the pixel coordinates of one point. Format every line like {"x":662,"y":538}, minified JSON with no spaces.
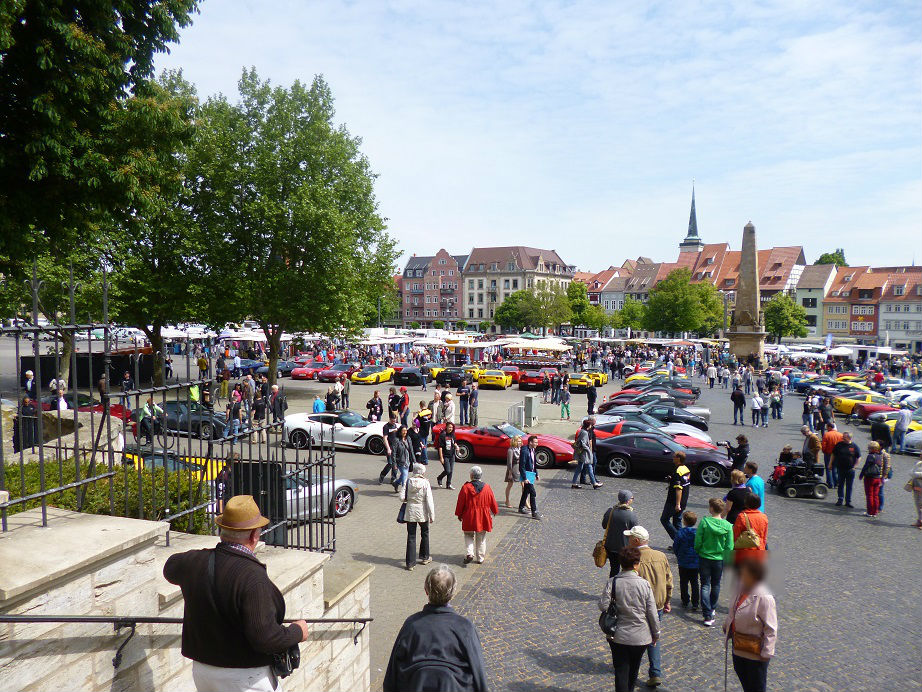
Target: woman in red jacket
{"x":750,"y":532}
{"x":475,"y":510}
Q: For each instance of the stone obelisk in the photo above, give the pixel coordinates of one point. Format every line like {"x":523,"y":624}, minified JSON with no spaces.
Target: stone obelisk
{"x":747,"y":335}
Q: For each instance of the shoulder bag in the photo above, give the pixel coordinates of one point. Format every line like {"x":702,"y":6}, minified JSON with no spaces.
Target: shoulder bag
{"x":599,"y":554}
{"x":748,"y":538}
{"x":283,"y":663}
{"x":608,"y":619}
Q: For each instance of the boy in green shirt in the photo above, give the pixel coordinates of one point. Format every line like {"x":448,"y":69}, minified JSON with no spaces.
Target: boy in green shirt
{"x":713,"y":543}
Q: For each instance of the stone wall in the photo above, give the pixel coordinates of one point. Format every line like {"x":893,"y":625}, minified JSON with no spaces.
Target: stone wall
{"x":93,"y":565}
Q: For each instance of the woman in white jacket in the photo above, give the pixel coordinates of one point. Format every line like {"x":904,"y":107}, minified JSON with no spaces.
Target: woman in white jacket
{"x":420,"y":510}
{"x":448,"y":409}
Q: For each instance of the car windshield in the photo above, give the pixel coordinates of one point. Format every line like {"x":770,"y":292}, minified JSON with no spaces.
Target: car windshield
{"x":650,"y":420}
{"x":352,"y":420}
{"x":340,"y":366}
{"x":511,"y":430}
{"x":371,"y":370}
{"x":494,"y":373}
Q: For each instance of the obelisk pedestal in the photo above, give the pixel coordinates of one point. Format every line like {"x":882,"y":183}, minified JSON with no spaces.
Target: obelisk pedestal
{"x":747,"y":334}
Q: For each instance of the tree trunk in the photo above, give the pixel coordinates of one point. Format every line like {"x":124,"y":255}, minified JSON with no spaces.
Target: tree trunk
{"x":156,"y":343}
{"x":67,"y":350}
{"x":274,"y":342}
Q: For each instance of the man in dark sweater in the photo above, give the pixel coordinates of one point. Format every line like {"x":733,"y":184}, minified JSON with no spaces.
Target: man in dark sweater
{"x":233,"y":613}
{"x":622,"y":518}
{"x":845,"y":457}
{"x":437,"y":649}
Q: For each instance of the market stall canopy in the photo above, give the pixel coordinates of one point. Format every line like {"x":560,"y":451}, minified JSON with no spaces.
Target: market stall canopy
{"x":839,"y":351}
{"x":539,"y":345}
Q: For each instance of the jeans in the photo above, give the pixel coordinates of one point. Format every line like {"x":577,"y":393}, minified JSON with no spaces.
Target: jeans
{"x":807,"y":420}
{"x":872,"y":490}
{"x":670,"y":518}
{"x":447,"y":471}
{"x":528,"y":493}
{"x":756,"y":416}
{"x":462,"y":412}
{"x":583,"y":468}
{"x":565,"y":408}
{"x":589,"y":470}
{"x":880,"y":494}
{"x":688,"y":576}
{"x":899,"y":440}
{"x":739,"y":411}
{"x":655,"y":655}
{"x":403,"y":472}
{"x":710,"y":572}
{"x":388,"y":468}
{"x":625,"y":659}
{"x":711,"y":382}
{"x":832,"y":473}
{"x":752,"y":674}
{"x":411,"y":542}
{"x":844,"y":485}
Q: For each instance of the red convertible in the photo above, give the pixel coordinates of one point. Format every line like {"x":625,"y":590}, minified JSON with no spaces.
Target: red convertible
{"x":309,"y":371}
{"x":492,"y":442}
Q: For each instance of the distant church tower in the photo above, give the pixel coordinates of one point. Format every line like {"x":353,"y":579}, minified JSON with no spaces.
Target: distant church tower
{"x":692,"y":242}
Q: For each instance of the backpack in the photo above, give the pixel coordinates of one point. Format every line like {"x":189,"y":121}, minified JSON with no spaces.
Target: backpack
{"x":748,"y":538}
{"x":872,"y":467}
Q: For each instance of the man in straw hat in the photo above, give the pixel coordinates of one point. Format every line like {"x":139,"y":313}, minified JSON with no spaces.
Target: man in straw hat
{"x":233,"y":613}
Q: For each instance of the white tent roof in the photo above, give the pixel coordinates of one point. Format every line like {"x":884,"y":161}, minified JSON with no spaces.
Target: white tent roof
{"x":839,"y":351}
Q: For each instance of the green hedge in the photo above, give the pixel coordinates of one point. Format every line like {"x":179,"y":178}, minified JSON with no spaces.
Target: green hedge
{"x":125,"y":484}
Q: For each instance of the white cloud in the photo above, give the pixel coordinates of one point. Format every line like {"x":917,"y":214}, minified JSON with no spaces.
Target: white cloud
{"x":578,"y":125}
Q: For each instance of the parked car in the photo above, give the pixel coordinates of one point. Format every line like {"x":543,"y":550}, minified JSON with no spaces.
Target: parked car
{"x":451,"y":377}
{"x":334,"y":372}
{"x":308,"y":501}
{"x":492,"y":442}
{"x":495,"y":378}
{"x":87,"y":404}
{"x":665,"y":413}
{"x":248,"y":366}
{"x":646,"y":453}
{"x":599,"y":375}
{"x":373,"y":374}
{"x":309,"y":371}
{"x":513,"y":372}
{"x":671,"y":428}
{"x":282,"y":368}
{"x":409,"y":377}
{"x":614,"y":428}
{"x":579,"y":382}
{"x":531,"y":379}
{"x":344,"y":428}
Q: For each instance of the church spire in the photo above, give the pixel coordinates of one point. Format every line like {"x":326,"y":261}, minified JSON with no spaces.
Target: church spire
{"x":692,"y":242}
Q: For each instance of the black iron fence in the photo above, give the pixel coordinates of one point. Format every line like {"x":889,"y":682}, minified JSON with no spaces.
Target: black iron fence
{"x":91,"y":427}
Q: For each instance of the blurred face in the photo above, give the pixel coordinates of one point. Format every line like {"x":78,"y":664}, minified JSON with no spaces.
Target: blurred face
{"x":748,"y":580}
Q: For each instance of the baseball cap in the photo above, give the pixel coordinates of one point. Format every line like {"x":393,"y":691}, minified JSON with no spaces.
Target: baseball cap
{"x":638,"y":532}
{"x":625,"y":496}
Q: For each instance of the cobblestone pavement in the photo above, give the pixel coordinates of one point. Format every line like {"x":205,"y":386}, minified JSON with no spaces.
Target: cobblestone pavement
{"x":848,"y":588}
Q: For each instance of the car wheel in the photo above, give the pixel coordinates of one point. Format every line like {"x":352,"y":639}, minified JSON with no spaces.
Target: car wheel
{"x":342,"y":502}
{"x":465,"y":452}
{"x":205,"y":431}
{"x":299,"y":439}
{"x":618,"y":466}
{"x":544,"y":458}
{"x":375,"y":446}
{"x":711,"y":475}
{"x":790,"y":491}
{"x":820,"y":491}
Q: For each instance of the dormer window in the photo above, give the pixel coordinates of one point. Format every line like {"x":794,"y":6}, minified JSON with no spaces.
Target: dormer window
{"x":899,"y":290}
{"x":709,"y":260}
{"x":848,"y":278}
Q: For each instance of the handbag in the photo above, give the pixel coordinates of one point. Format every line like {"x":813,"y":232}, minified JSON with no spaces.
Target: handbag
{"x":908,"y":486}
{"x":747,"y":643}
{"x":284,"y":662}
{"x":608,"y":619}
{"x":748,"y":538}
{"x":402,"y":514}
{"x":599,"y":554}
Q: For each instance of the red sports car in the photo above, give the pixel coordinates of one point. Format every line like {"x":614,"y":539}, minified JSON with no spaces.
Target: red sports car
{"x":514,"y":371}
{"x":604,"y":430}
{"x":492,"y":442}
{"x":865,"y":410}
{"x":530,"y":379}
{"x":334,"y":372}
{"x":86,"y":404}
{"x":309,"y":371}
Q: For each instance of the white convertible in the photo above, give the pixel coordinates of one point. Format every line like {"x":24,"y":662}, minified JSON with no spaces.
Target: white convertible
{"x":344,"y":428}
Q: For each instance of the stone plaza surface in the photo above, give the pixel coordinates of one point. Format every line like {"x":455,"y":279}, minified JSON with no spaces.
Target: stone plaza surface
{"x":848,"y":588}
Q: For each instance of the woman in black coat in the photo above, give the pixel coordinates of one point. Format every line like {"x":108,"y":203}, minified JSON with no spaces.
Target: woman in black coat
{"x":375,"y":407}
{"x":740,"y":453}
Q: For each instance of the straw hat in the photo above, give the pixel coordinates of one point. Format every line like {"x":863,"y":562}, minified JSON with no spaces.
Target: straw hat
{"x":241,"y":514}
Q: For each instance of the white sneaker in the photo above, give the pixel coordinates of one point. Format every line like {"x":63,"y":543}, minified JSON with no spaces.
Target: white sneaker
{"x":708,"y":623}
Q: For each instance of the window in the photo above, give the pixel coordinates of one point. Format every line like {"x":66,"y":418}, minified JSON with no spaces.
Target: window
{"x":470,"y":284}
{"x":905,"y":326}
{"x":898,"y":290}
{"x":470,"y":298}
{"x":511,"y":266}
{"x":865,"y":293}
{"x":443,"y":261}
{"x":408,"y":313}
{"x":808,"y":302}
{"x":494,"y":267}
{"x":441,"y":272}
{"x":451,"y":272}
{"x":480,"y":284}
{"x":515,"y":284}
{"x":506,"y":283}
{"x":419,"y":272}
{"x":470,"y":312}
{"x":479,"y":312}
{"x":481,"y":267}
{"x":811,"y":320}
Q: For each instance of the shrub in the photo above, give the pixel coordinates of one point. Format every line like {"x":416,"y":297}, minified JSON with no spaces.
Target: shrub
{"x":152,"y":497}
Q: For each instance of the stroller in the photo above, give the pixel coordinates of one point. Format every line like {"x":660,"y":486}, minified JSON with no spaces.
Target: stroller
{"x":793,"y":477}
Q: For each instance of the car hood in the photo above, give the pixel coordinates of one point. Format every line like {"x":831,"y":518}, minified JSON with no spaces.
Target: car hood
{"x":689,"y":430}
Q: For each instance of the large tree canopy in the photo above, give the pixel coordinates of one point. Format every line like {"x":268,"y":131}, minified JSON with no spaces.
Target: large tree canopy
{"x":785,"y":317}
{"x":67,"y":70}
{"x":285,"y":201}
{"x":676,"y":305}
{"x":837,"y":257}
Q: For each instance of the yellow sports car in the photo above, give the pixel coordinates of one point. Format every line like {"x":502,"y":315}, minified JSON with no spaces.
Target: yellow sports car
{"x":434,"y":369}
{"x":373,"y":374}
{"x":600,"y":376}
{"x":851,"y":378}
{"x":473,"y":372}
{"x":644,"y":376}
{"x":579,"y":382}
{"x":915,"y":423}
{"x":844,"y":403}
{"x":199,"y":467}
{"x":494,"y":378}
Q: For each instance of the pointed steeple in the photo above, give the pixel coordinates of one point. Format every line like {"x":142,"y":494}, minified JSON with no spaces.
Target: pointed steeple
{"x":692,"y":242}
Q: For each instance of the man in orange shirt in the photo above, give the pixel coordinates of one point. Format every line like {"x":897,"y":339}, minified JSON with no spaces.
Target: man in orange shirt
{"x":748,"y":546}
{"x":831,"y":437}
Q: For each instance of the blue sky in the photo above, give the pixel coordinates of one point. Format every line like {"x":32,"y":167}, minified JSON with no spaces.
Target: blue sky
{"x":579,"y":126}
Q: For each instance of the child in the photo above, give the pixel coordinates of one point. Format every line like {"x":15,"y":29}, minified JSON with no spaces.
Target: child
{"x":565,"y":401}
{"x":713,"y":543}
{"x":683,"y":545}
{"x":787,"y":456}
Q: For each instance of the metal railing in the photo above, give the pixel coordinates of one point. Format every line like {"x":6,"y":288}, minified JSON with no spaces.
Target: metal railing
{"x":93,"y":432}
{"x":131,"y":622}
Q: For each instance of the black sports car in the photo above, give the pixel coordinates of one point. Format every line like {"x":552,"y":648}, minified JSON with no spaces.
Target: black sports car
{"x":452,"y":377}
{"x":283,"y":368}
{"x":409,"y":377}
{"x":647,"y":453}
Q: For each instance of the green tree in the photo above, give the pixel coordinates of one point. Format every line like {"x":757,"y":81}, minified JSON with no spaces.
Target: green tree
{"x":837,"y":257}
{"x":673,"y":306}
{"x":711,"y":308}
{"x":632,"y":314}
{"x":595,"y":318}
{"x":415,"y":325}
{"x":67,"y":71}
{"x":785,"y":317}
{"x":156,"y":278}
{"x":461,"y":324}
{"x":578,"y":297}
{"x":485,"y":326}
{"x":285,"y":201}
{"x":515,"y":311}
{"x":438,"y":324}
{"x":549,"y":308}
